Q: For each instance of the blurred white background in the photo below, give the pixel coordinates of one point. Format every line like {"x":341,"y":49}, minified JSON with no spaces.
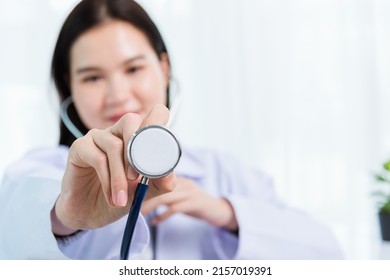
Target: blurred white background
{"x":298,"y":88}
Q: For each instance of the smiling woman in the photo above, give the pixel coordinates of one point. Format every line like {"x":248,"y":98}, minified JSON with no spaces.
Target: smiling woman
{"x":111,"y":61}
{"x":128,"y":78}
{"x":109,"y":76}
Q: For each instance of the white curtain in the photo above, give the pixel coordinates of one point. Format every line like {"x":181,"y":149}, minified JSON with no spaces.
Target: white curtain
{"x":297,"y":88}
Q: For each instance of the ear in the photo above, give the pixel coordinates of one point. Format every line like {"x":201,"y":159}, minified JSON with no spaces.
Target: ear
{"x":165,"y":67}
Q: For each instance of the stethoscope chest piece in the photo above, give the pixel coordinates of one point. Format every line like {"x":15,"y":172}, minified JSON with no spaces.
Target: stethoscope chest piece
{"x":154,"y":151}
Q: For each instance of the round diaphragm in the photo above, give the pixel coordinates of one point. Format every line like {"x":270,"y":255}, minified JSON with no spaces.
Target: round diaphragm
{"x":154,"y":151}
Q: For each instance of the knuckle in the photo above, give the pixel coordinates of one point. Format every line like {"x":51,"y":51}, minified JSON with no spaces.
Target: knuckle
{"x":92,"y":132}
{"x":130,"y":118}
{"x":172,"y":184}
{"x":162,"y":108}
{"x":170,"y":187}
{"x":165,"y":187}
{"x":101,"y":160}
{"x":116,"y":145}
{"x":77,"y":143}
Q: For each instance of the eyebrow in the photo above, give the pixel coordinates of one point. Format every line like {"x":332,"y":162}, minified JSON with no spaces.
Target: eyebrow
{"x":93,"y":68}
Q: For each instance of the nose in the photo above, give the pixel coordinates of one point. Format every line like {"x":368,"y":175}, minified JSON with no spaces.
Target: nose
{"x":118,"y":91}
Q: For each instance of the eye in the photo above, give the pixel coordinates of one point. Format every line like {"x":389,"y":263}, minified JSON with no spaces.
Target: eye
{"x":92,"y":79}
{"x":133,"y":69}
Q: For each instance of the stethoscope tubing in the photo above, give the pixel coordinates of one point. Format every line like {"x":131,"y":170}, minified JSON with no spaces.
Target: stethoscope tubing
{"x":139,"y":195}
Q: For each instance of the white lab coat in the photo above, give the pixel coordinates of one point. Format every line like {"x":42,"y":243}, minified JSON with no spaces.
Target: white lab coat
{"x":268,"y":229}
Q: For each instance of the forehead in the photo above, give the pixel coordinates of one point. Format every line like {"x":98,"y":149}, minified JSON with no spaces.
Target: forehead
{"x":110,"y":42}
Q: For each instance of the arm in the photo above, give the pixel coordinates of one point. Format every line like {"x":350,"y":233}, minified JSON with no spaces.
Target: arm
{"x":248,"y":220}
{"x":25,"y":217}
{"x":268,"y":228}
{"x":27,"y":195}
{"x":98,"y":185}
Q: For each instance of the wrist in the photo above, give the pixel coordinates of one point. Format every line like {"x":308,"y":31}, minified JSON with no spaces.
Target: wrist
{"x":58,"y":228}
{"x":225,"y":216}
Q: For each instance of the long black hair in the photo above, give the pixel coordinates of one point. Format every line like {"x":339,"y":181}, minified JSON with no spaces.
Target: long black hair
{"x":86,"y":15}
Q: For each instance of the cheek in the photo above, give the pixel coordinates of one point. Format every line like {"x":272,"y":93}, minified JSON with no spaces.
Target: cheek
{"x":88,"y":108}
{"x":152,"y":89}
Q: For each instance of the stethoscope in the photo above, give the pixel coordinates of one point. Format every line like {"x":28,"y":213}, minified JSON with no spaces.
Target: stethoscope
{"x":153,"y":151}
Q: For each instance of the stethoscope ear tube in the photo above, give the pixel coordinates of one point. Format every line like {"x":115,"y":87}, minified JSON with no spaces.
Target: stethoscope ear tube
{"x":66,"y":120}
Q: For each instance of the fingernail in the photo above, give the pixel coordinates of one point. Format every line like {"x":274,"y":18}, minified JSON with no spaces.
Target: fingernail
{"x":121,"y":199}
{"x":131,"y":173}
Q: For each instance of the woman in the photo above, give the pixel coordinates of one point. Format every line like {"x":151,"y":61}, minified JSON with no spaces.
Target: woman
{"x":111,"y":61}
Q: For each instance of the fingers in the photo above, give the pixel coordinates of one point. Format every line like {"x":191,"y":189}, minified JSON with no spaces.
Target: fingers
{"x":130,"y":123}
{"x":84,"y":154}
{"x":164,"y":199}
{"x":124,"y":129}
{"x":161,"y":186}
{"x":113,"y":147}
{"x":188,"y":199}
{"x":163,"y":216}
{"x":180,"y":207}
{"x":105,"y":151}
{"x":177,"y":201}
{"x":158,"y":115}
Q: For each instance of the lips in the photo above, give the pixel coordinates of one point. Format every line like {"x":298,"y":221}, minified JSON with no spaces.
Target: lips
{"x":116,"y":118}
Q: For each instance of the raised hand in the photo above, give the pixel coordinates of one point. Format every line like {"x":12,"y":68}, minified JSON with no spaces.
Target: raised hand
{"x":99,"y":184}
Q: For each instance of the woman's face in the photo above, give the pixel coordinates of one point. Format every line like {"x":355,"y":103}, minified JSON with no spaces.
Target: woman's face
{"x":113,"y":71}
